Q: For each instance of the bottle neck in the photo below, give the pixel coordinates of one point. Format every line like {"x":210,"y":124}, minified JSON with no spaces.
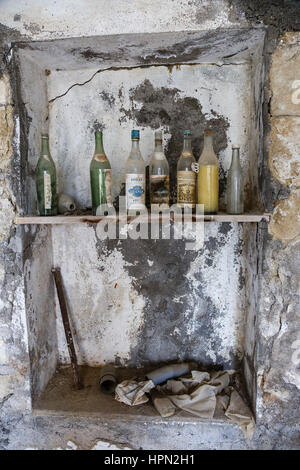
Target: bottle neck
{"x":135,"y":144}
{"x":158,"y":146}
{"x":45,"y":146}
{"x":235,"y":160}
{"x":208,"y":143}
{"x":187,"y":144}
{"x":99,"y":143}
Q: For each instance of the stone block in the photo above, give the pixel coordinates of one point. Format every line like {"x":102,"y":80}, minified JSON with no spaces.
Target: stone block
{"x":3,"y":352}
{"x":285,"y":76}
{"x":285,"y":221}
{"x":6,"y":134}
{"x":5,"y":386}
{"x":284,"y":150}
{"x":5,"y":91}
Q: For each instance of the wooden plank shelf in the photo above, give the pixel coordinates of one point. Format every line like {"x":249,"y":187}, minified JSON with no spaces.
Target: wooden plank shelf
{"x":76,"y":219}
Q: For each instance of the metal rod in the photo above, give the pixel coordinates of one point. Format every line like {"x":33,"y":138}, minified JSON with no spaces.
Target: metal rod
{"x":65,"y":318}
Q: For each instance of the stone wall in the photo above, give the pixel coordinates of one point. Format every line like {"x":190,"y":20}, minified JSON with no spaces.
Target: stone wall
{"x":277,"y":341}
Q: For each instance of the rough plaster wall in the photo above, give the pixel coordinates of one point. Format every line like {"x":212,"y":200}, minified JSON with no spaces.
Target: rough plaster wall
{"x":148,"y":98}
{"x":279,"y":344}
{"x":35,"y":103}
{"x":14,"y":364}
{"x":40,"y":308}
{"x":105,"y":307}
{"x":278,"y":350}
{"x":156,"y":302}
{"x":53,"y":20}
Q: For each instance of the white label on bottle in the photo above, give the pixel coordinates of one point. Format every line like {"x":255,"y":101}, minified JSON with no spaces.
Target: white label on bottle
{"x":135,"y":191}
{"x":47,"y":190}
{"x":105,"y":179}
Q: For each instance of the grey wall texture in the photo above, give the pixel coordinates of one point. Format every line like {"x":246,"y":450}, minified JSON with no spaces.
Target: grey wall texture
{"x":167,"y":304}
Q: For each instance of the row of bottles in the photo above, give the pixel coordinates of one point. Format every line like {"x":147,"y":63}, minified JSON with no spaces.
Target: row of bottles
{"x":196,"y":182}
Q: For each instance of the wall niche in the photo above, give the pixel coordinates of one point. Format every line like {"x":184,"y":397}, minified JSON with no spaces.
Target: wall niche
{"x":138,"y":304}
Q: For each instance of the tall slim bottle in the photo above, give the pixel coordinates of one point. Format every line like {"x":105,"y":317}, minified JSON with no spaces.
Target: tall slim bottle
{"x":186,"y":178}
{"x":135,"y":175}
{"x":100,"y":175}
{"x":45,"y":175}
{"x":235,"y":185}
{"x":159,"y":173}
{"x":208,"y":176}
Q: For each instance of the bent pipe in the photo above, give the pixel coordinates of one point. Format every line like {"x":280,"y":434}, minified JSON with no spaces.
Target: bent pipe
{"x":162,"y":374}
{"x":108,"y":379}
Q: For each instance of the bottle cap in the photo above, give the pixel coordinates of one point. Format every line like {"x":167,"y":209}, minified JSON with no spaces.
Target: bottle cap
{"x":45,"y":136}
{"x":135,"y":134}
{"x":158,"y":135}
{"x":235,"y":146}
{"x":207,"y":132}
{"x":187,"y":132}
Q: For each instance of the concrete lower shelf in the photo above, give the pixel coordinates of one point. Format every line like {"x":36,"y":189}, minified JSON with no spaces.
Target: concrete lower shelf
{"x":61,"y":399}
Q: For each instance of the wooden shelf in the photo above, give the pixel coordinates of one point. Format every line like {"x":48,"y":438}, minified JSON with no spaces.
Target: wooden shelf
{"x":76,"y":219}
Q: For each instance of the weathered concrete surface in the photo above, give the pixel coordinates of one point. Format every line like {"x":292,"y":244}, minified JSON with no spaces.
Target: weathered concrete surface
{"x":156,"y":302}
{"x":275,"y":342}
{"x":95,"y":18}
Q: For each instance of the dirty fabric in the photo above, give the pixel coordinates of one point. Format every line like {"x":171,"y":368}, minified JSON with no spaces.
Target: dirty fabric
{"x":132,"y":392}
{"x":199,"y":394}
{"x":239,"y":412}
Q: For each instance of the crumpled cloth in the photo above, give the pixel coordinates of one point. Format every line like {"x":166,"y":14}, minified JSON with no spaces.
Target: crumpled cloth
{"x":199,"y":395}
{"x":132,"y":392}
{"x":240,"y":413}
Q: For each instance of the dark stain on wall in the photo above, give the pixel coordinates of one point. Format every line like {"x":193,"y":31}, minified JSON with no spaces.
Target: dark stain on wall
{"x":179,"y":316}
{"x":278,"y":14}
{"x":165,"y":107}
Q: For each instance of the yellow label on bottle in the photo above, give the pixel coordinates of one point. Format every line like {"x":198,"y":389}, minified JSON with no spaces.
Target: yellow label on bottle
{"x":208,"y":187}
{"x":186,"y":188}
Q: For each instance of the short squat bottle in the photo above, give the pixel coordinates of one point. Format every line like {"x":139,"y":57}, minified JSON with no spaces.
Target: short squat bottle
{"x":135,"y":176}
{"x":235,"y":185}
{"x":208,"y":176}
{"x":100,"y":176}
{"x":159,"y":173}
{"x":45,"y":175}
{"x":186,"y":178}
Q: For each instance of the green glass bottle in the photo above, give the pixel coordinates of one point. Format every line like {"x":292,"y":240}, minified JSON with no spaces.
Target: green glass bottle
{"x":100,"y":176}
{"x":45,"y":175}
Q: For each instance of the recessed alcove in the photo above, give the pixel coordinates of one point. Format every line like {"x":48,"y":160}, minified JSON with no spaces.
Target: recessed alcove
{"x":144,"y":302}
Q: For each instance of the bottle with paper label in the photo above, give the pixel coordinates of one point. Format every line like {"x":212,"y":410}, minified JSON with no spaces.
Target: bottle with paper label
{"x":100,"y":176}
{"x":186,"y":177}
{"x":45,"y":175}
{"x":159,"y":173}
{"x":135,"y":176}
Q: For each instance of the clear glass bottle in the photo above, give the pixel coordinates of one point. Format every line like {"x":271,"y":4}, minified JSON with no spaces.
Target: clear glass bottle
{"x":186,"y":177}
{"x":235,"y":184}
{"x":159,"y":174}
{"x":135,"y":175}
{"x":45,"y":175}
{"x":100,"y":175}
{"x":208,"y":176}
